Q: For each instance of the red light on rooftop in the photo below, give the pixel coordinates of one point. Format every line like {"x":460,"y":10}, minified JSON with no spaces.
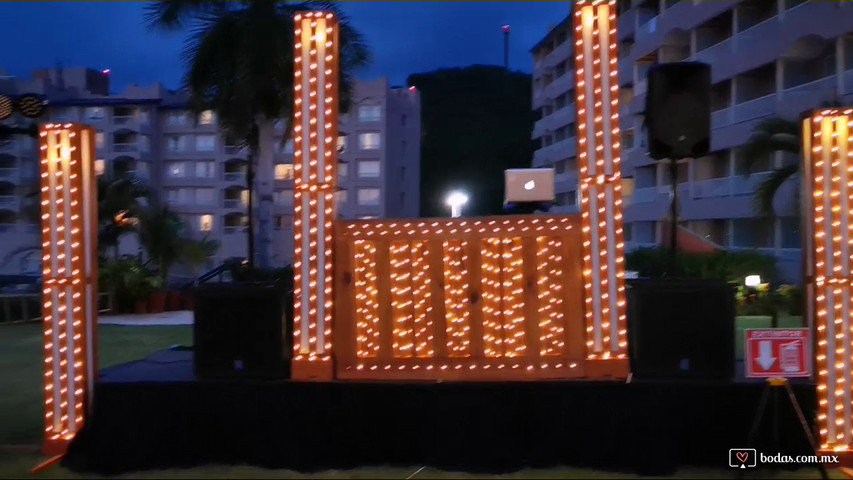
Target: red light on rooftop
{"x":106,"y":71}
{"x":505,"y":28}
{"x":412,"y":88}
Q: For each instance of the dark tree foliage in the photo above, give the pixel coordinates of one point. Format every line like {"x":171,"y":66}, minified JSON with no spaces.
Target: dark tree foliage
{"x":476,"y":123}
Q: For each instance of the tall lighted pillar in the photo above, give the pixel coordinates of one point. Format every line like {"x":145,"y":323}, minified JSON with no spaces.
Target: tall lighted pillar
{"x":828,"y":217}
{"x":597,"y":88}
{"x":315,"y":132}
{"x":70,"y":263}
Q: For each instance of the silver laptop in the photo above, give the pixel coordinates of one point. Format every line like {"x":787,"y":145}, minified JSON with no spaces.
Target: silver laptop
{"x":529,"y":185}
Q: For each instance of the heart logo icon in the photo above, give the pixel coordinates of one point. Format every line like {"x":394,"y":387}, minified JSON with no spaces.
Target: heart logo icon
{"x":742,"y":456}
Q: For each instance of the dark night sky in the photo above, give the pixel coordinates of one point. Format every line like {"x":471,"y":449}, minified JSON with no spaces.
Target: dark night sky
{"x":406,"y":37}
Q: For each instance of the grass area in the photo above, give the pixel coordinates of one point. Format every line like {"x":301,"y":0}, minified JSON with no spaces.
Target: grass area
{"x":21,"y":369}
{"x":21,"y":413}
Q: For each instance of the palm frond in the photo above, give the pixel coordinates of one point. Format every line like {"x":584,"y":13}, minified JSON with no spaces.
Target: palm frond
{"x":770,"y":135}
{"x":765,"y":194}
{"x":177,"y":14}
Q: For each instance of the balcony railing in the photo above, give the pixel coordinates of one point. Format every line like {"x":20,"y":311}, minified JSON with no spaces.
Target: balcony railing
{"x":640,"y":87}
{"x":710,"y":54}
{"x":746,"y":185}
{"x":8,"y":172}
{"x":644,"y":195}
{"x":236,"y":177}
{"x":232,"y":203}
{"x":9,"y":201}
{"x":7,"y":227}
{"x":234,"y":229}
{"x":125,"y":147}
{"x":124,"y":119}
{"x":755,"y":108}
{"x":232,"y":149}
{"x":715,"y":187}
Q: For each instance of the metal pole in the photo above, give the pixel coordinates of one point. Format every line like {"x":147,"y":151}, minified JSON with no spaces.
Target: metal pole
{"x":506,"y":46}
{"x":250,"y":183}
{"x":673,"y":219}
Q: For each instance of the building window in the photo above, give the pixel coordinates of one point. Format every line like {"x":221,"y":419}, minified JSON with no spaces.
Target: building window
{"x":99,"y":166}
{"x":341,"y":197}
{"x":99,"y":139}
{"x":207,"y":117}
{"x":205,"y":143}
{"x":244,"y":197}
{"x":205,"y":223}
{"x":176,"y":169}
{"x":205,"y":195}
{"x":368,"y":197}
{"x":282,"y":221}
{"x":791,"y":237}
{"x":368,"y":168}
{"x":176,"y":143}
{"x":283,"y":197}
{"x":205,"y":169}
{"x":94,"y":113}
{"x":342,"y":170}
{"x":176,"y":118}
{"x":628,"y":138}
{"x":342,"y":143}
{"x":179,"y":196}
{"x":752,"y":233}
{"x":369,"y":113}
{"x":284,"y":171}
{"x":368,"y":141}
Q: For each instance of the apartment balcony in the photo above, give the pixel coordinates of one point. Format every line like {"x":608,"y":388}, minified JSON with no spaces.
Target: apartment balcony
{"x":10,"y":202}
{"x":560,"y":118}
{"x":560,"y":85}
{"x":627,"y":24}
{"x":644,"y":195}
{"x":538,"y":128}
{"x":562,"y":52}
{"x":234,"y":223}
{"x":129,"y":166}
{"x":234,"y":171}
{"x":556,"y":151}
{"x":233,"y":149}
{"x":640,"y":87}
{"x":235,"y":198}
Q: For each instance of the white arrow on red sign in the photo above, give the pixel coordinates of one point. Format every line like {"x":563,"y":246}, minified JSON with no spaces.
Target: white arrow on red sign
{"x":765,"y":356}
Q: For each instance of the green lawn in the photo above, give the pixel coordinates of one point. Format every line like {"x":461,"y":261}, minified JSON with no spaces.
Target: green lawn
{"x":21,"y":415}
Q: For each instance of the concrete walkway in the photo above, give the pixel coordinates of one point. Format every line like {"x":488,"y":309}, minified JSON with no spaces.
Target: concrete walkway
{"x":180,"y":317}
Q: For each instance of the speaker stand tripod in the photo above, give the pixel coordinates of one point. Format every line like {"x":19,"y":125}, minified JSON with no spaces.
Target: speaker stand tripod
{"x":774,"y":387}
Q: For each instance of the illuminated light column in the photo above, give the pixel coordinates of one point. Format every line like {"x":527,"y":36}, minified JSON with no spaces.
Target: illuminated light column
{"x":599,"y":147}
{"x":828,"y":182}
{"x":69,"y":275}
{"x":315,"y":132}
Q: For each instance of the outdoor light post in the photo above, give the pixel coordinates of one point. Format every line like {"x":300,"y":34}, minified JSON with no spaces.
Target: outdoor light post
{"x":456,"y":200}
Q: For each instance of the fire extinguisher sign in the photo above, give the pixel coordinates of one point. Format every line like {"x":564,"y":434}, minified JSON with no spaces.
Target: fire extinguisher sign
{"x":776,"y":352}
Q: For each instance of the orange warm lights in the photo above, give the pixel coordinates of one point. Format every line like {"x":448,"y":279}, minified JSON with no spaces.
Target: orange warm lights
{"x":463,"y":299}
{"x":69,"y":263}
{"x":315,"y":131}
{"x":601,"y":198}
{"x":828,"y":200}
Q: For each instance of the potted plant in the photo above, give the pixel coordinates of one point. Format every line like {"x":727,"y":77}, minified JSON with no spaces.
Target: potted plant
{"x":194,"y":254}
{"x":160,"y":233}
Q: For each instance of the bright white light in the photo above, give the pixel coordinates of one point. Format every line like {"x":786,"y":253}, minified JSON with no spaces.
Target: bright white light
{"x":456,"y":200}
{"x":530,"y":185}
{"x":752,"y":280}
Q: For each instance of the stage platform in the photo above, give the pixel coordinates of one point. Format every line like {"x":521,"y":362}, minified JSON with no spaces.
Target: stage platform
{"x":154,"y":413}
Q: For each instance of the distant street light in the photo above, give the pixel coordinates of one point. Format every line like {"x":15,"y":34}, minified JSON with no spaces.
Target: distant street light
{"x":752,"y":281}
{"x":456,"y":200}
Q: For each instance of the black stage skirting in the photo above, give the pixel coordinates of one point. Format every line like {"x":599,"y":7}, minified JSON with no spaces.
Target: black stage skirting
{"x":154,"y":414}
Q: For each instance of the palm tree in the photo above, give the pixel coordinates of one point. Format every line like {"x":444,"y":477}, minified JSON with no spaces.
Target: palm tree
{"x":194,"y":254}
{"x":161,"y":235}
{"x":769,"y":136}
{"x":120,"y":202}
{"x":239,"y":58}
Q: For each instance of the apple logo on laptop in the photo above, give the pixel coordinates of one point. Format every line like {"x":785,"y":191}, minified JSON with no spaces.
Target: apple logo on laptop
{"x":530,"y":185}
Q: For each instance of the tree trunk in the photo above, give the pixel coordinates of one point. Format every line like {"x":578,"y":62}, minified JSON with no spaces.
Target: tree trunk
{"x":265,"y":179}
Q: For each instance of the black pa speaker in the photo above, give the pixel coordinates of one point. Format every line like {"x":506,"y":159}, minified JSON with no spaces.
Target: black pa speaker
{"x":678,"y":110}
{"x":241,"y":331}
{"x":681,"y":328}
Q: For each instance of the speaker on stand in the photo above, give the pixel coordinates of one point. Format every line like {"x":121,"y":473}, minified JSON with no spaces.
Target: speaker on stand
{"x":678,"y":118}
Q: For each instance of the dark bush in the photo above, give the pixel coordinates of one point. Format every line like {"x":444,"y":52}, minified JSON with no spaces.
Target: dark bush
{"x":729,"y":266}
